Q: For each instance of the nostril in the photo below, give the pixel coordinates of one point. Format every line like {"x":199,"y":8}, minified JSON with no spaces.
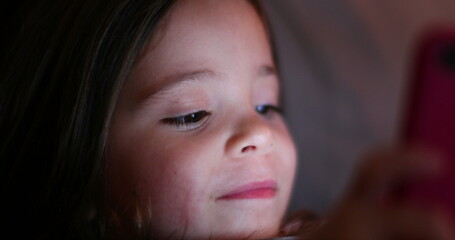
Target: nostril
{"x":248,"y":148}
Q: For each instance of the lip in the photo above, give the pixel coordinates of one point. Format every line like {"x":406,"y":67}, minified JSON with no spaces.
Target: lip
{"x":253,"y":190}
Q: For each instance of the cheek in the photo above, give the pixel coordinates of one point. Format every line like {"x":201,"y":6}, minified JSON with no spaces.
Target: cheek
{"x":179,"y":185}
{"x":168,"y":175}
{"x":289,"y":152}
{"x":288,"y":156}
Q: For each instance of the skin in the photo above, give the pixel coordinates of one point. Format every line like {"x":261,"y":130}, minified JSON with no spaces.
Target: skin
{"x":212,"y":58}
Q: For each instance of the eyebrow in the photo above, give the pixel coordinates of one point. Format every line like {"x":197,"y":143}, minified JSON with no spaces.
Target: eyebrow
{"x":173,"y":79}
{"x":197,"y":75}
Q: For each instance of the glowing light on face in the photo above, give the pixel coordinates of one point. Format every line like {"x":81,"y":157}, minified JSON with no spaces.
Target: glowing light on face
{"x":197,"y":134}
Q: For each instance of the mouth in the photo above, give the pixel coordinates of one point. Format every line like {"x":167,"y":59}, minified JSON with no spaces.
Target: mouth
{"x":253,"y":190}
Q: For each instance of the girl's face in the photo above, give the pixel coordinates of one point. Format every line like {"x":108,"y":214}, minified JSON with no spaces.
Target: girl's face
{"x":196,"y":143}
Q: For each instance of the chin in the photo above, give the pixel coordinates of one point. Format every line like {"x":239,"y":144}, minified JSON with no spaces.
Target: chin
{"x":253,"y":233}
{"x":247,"y":229}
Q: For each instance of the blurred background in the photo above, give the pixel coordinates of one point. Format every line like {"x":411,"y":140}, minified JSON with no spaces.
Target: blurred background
{"x":345,"y":66}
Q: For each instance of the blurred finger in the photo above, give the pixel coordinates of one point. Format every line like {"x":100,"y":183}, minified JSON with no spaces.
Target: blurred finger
{"x":380,"y":171}
{"x":412,"y":223}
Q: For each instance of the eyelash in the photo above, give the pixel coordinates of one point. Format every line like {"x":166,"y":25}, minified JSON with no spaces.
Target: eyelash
{"x":266,"y":108}
{"x":197,"y":119}
{"x":189,"y":121}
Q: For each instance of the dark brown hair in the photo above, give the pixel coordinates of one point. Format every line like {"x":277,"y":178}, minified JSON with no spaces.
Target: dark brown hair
{"x":60,"y":79}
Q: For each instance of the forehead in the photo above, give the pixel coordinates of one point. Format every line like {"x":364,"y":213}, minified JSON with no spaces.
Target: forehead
{"x":197,"y":32}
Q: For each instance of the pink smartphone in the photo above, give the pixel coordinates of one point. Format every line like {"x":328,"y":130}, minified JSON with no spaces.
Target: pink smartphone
{"x":430,"y":113}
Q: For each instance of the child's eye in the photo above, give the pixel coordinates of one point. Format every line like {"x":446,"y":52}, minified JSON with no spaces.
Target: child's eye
{"x":264,"y":109}
{"x":188,"y":122}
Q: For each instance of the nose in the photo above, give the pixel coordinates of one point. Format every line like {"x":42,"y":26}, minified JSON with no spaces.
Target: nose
{"x":250,"y":136}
